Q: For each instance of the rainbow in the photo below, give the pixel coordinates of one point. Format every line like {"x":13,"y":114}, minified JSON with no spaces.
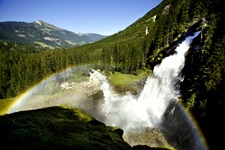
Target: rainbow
{"x":22,"y":97}
{"x":195,"y":124}
{"x":33,"y":89}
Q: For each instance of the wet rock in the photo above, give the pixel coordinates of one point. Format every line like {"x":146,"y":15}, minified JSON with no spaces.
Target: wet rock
{"x":179,"y":130}
{"x":151,"y":137}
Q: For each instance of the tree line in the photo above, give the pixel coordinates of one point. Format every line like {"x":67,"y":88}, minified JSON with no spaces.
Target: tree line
{"x":23,"y":65}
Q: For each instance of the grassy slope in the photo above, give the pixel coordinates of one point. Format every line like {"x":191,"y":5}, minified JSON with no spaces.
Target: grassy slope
{"x":128,"y":82}
{"x":59,"y":128}
{"x":120,"y":79}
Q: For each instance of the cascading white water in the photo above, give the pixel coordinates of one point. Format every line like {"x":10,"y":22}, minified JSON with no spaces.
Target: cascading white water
{"x":160,"y":87}
{"x":133,"y":113}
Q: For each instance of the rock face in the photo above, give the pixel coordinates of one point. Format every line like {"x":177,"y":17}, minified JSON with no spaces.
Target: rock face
{"x":191,"y":67}
{"x":178,"y":129}
{"x":150,"y":137}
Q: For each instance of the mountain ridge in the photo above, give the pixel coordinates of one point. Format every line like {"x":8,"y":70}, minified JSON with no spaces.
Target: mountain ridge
{"x":44,"y":34}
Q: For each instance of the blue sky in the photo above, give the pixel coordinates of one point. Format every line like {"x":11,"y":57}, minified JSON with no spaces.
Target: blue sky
{"x":104,"y":17}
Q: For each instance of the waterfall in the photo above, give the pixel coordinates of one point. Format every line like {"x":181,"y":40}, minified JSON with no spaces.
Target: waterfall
{"x":131,"y":112}
{"x":160,"y":88}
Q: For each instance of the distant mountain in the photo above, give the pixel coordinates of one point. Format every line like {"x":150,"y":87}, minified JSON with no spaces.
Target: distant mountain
{"x":44,"y":34}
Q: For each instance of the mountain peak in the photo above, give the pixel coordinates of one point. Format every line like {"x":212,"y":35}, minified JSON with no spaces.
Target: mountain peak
{"x":39,"y":22}
{"x":42,"y":24}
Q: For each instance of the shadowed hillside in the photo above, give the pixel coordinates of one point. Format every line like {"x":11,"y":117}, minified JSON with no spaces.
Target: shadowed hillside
{"x":59,"y":128}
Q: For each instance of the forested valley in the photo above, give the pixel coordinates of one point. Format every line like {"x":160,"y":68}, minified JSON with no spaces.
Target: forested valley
{"x":139,"y":46}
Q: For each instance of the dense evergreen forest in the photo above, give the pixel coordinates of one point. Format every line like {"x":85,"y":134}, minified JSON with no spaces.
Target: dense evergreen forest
{"x":139,"y":46}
